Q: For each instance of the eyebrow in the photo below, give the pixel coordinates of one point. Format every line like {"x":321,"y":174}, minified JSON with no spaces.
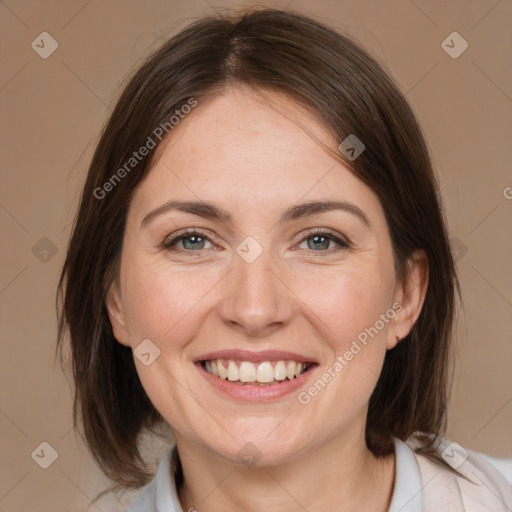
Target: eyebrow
{"x":214,"y":212}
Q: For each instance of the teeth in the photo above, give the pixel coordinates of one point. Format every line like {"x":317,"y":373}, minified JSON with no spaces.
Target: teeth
{"x":280,"y":370}
{"x":232,"y":371}
{"x":290,"y":370}
{"x":215,"y":370}
{"x":223,"y":373}
{"x":247,"y":372}
{"x":265,"y":372}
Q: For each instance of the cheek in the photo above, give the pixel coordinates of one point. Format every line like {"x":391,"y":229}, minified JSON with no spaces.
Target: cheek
{"x":348,"y":309}
{"x":164,"y":301}
{"x":347,"y":303}
{"x":167,"y":306}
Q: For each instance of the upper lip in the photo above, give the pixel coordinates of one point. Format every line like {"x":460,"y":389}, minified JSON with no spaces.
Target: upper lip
{"x":255,"y":357}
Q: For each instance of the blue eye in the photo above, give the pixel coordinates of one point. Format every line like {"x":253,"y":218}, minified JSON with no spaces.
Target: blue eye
{"x":321,"y":240}
{"x":192,"y":241}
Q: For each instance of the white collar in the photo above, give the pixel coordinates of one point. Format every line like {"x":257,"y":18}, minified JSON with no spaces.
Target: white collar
{"x":407,"y":492}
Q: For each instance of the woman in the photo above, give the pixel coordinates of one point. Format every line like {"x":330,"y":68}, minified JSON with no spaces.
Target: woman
{"x":260,"y":260}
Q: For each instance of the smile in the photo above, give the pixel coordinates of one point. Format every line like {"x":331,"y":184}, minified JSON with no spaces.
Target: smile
{"x":265,"y":373}
{"x":261,"y":376}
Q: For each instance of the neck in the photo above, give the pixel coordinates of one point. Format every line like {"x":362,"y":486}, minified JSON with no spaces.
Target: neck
{"x":350,"y":481}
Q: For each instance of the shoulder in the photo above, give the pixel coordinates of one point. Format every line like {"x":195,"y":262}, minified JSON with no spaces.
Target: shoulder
{"x":474,"y":481}
{"x":503,"y":465}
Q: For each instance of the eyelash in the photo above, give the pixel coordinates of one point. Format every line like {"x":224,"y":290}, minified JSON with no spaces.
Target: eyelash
{"x":188,"y":233}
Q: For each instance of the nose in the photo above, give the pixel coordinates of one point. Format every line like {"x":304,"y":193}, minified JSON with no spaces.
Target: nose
{"x":256,"y":300}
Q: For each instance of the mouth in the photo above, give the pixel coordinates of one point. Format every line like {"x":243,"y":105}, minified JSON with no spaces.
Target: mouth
{"x":255,"y":376}
{"x":247,"y":373}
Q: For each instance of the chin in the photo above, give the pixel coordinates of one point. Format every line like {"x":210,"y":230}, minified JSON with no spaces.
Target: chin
{"x":257,"y":450}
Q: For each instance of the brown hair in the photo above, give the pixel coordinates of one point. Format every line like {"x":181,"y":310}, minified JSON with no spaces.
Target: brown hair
{"x":351,"y":94}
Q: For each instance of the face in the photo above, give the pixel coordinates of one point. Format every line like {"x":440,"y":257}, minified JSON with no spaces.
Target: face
{"x":244,"y":281}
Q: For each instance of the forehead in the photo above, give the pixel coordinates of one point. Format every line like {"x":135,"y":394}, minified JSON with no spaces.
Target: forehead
{"x":251,"y":151}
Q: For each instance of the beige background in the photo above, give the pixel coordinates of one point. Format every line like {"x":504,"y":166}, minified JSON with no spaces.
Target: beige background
{"x":52,"y":112}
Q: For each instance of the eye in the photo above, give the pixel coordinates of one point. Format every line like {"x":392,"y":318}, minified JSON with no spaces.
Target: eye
{"x":192,"y":241}
{"x":320,"y":240}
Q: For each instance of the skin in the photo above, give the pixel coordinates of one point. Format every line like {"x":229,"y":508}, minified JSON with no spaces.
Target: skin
{"x":255,"y":155}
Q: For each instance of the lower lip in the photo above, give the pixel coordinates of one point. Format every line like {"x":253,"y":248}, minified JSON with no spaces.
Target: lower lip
{"x":250,"y":393}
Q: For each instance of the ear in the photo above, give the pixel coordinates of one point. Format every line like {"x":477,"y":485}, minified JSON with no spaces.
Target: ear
{"x":116,"y":314}
{"x":410,"y":294}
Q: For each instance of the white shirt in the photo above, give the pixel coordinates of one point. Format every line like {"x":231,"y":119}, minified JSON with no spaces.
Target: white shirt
{"x":421,"y":485}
